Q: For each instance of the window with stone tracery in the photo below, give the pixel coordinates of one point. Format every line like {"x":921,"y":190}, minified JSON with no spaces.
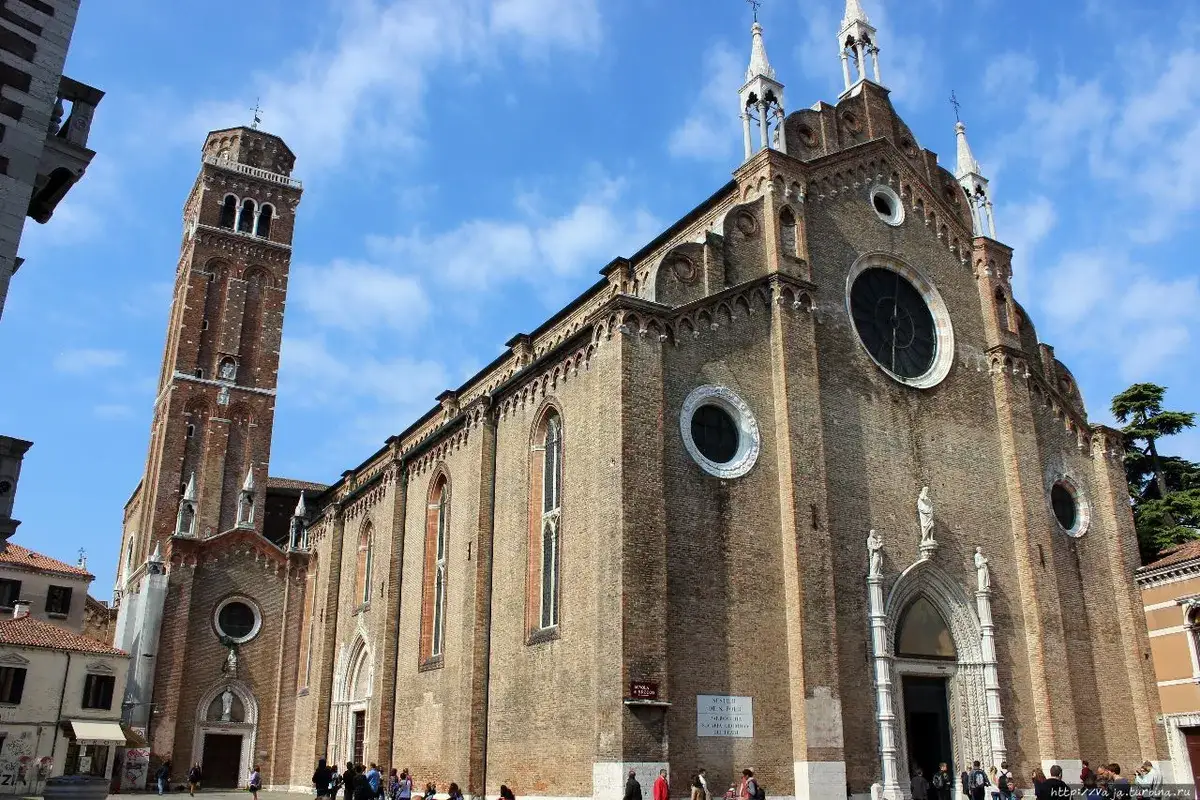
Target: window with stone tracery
{"x":366,"y":555}
{"x":545,"y":528}
{"x":437,"y":551}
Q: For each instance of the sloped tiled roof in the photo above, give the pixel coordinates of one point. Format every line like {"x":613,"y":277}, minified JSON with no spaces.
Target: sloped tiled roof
{"x":1177,"y":555}
{"x":292,"y":483}
{"x":17,"y":556}
{"x":32,"y":632}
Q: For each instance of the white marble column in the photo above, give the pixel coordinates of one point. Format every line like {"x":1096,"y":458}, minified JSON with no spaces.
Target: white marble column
{"x":995,"y":718}
{"x":884,"y":708}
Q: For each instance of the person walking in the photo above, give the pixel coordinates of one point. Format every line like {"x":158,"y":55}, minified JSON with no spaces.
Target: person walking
{"x":749,"y":787}
{"x":406,"y":785}
{"x":322,"y":777}
{"x":978,"y":782}
{"x":348,"y":782}
{"x":662,"y":789}
{"x":193,"y":778}
{"x":942,"y":782}
{"x":506,"y":793}
{"x":920,"y":786}
{"x":430,"y":790}
{"x":375,"y":780}
{"x":697,"y":789}
{"x":255,"y":782}
{"x":700,"y":776}
{"x":1004,"y":781}
{"x":1054,"y":787}
{"x":454,"y":793}
{"x":163,"y":777}
{"x":1151,"y":778}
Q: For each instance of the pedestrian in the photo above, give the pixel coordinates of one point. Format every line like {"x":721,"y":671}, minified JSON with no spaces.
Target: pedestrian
{"x":375,"y":780}
{"x":942,"y":782}
{"x":1004,"y":782}
{"x":1038,"y":779}
{"x":1054,"y":787}
{"x":393,"y":785}
{"x":255,"y":782}
{"x":321,"y":778}
{"x":163,"y":777}
{"x":993,"y":776}
{"x":697,"y":788}
{"x":700,"y":776}
{"x":662,"y":789}
{"x":193,"y":780}
{"x":920,"y":786}
{"x":362,"y":786}
{"x":1086,"y":774}
{"x":406,"y":785}
{"x":430,"y":790}
{"x":1118,"y":784}
{"x":348,"y":781}
{"x":1151,"y":777}
{"x":454,"y":793}
{"x":633,"y":789}
{"x":749,"y":787}
{"x":506,"y":793}
{"x":978,"y":781}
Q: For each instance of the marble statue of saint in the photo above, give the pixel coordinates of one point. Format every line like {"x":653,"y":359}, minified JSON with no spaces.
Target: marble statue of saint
{"x":925,"y":513}
{"x":983,"y":575}
{"x":228,"y":370}
{"x":231,"y":662}
{"x":875,"y":550}
{"x":226,"y":705}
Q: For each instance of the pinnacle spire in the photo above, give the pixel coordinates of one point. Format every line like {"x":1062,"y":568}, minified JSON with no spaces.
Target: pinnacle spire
{"x":967,"y":165}
{"x":301,"y":509}
{"x":759,"y":67}
{"x":854,"y":13}
{"x":248,"y":484}
{"x":189,"y":493}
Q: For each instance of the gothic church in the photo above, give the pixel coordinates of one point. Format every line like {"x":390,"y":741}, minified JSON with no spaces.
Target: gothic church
{"x":796,"y":486}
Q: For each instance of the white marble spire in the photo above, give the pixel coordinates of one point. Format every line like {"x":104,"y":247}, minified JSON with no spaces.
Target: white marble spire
{"x":189,"y":492}
{"x":248,"y":484}
{"x":759,"y":65}
{"x":967,"y":165}
{"x":857,"y":44}
{"x":970,"y":177}
{"x":301,"y":510}
{"x":854,"y":13}
{"x":761,"y":99}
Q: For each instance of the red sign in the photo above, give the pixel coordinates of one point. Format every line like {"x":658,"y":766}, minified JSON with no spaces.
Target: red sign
{"x":643,"y":690}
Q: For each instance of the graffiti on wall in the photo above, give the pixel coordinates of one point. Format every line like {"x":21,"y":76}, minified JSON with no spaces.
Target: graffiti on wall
{"x":135,"y":769}
{"x":21,"y":770}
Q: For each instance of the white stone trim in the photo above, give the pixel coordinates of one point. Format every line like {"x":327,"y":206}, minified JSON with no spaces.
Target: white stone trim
{"x":247,"y":729}
{"x":943,"y":354}
{"x":1180,"y":765}
{"x":344,"y":705}
{"x":1083,"y":509}
{"x":1160,"y":606}
{"x":246,"y":601}
{"x":896,"y":218}
{"x":1178,"y":682}
{"x":749,"y":438}
{"x":819,"y":780}
{"x":1167,"y":631}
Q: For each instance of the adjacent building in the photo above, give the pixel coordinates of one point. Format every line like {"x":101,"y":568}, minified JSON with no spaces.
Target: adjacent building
{"x":45,"y":118}
{"x":1171,"y":602}
{"x":794,"y":486}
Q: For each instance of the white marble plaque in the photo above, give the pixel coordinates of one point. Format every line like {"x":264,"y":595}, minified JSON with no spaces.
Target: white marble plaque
{"x":721,"y":715}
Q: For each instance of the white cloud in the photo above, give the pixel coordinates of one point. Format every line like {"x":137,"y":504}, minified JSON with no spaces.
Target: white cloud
{"x":113,"y":411}
{"x":1010,"y":74}
{"x":358,"y":296}
{"x":712,"y":129}
{"x":1023,"y":227}
{"x":84,"y":361}
{"x":370,"y":84}
{"x":482,"y":253}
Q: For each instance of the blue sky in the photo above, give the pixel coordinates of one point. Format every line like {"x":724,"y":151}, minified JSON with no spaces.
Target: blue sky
{"x":470,"y":165}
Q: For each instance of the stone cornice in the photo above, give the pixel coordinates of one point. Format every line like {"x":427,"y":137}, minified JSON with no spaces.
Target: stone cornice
{"x":1149,"y":576}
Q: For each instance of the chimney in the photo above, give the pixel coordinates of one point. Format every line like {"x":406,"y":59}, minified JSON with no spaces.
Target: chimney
{"x":20,"y":609}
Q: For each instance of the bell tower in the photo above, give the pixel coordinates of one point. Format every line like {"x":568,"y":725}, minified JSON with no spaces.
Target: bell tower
{"x":210,"y":439}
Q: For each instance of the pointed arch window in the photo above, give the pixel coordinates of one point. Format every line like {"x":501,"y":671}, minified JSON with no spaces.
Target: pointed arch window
{"x":923,"y":633}
{"x":366,"y":555}
{"x":306,"y":623}
{"x":787,"y":232}
{"x":263,"y":226}
{"x":245,"y":222}
{"x":1002,"y":316}
{"x":545,"y":529}
{"x":229,"y":208}
{"x":436,"y":579}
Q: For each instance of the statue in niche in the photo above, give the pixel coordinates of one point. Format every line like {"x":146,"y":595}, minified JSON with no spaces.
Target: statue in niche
{"x":925,"y":514}
{"x":228,"y":370}
{"x":875,"y":552}
{"x":227,"y":705}
{"x":231,"y":663}
{"x":983,"y":576}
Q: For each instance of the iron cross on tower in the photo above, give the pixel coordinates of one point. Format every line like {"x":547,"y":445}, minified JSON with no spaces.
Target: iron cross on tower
{"x":257,"y":115}
{"x":954,"y":102}
{"x":754,"y":4}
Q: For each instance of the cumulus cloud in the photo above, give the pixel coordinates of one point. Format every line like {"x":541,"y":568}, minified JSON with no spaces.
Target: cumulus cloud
{"x":370,"y":84}
{"x":85,"y":361}
{"x":712,"y":129}
{"x":358,"y":296}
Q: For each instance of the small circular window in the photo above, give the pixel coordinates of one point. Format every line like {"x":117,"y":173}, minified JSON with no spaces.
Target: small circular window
{"x":237,"y":619}
{"x":1070,"y":511}
{"x":887,"y":205}
{"x":719,"y":431}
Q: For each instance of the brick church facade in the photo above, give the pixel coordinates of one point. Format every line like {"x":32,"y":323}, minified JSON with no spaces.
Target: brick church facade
{"x":796,"y":486}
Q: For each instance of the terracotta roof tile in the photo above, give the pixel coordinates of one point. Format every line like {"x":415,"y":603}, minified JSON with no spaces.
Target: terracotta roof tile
{"x":1177,"y":555}
{"x":18,"y":556}
{"x":292,"y":483}
{"x":33,"y":632}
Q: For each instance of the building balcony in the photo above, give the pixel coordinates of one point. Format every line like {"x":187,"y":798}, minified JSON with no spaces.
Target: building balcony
{"x":65,"y":155}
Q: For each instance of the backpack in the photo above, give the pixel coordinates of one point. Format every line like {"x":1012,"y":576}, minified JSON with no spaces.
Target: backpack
{"x":1004,"y":782}
{"x":939,"y":780}
{"x":978,"y":779}
{"x":759,"y":792}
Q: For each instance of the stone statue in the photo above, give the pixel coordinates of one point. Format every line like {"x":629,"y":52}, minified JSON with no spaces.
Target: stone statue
{"x":983,"y":575}
{"x":875,"y":551}
{"x":228,"y":370}
{"x":227,"y":704}
{"x":231,"y":663}
{"x":925,"y":513}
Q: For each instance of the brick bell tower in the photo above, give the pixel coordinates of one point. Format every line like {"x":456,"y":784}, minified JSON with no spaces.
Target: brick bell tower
{"x":210,"y":438}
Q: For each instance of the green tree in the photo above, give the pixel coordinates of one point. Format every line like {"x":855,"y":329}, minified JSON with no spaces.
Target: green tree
{"x":1165,"y":490}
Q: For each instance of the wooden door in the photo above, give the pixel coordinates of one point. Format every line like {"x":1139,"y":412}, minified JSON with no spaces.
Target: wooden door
{"x":360,"y":731}
{"x":222,"y":764}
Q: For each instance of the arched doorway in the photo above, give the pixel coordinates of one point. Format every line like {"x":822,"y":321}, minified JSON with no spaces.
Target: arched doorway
{"x":352,"y":701}
{"x":223,"y":745}
{"x":940,"y":700}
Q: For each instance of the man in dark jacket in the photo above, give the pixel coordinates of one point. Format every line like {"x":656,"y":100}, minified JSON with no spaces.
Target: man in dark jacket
{"x":348,"y":781}
{"x":633,"y":789}
{"x":1055,"y":786}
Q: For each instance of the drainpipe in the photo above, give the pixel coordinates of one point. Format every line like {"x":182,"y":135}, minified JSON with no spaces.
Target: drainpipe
{"x":61,"y":700}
